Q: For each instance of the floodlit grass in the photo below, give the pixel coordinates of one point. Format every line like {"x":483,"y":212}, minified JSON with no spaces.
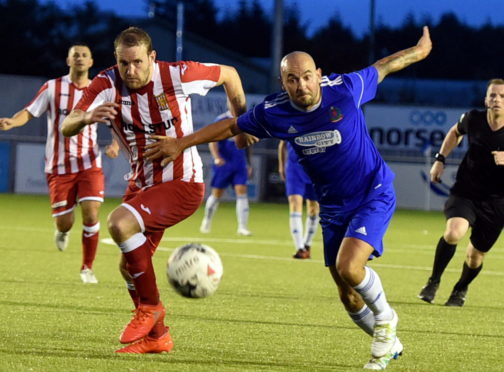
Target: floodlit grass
{"x":271,"y":312}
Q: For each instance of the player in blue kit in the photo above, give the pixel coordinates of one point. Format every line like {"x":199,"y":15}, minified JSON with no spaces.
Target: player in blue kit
{"x":231,"y":167}
{"x":298,"y":188}
{"x":321,"y":117}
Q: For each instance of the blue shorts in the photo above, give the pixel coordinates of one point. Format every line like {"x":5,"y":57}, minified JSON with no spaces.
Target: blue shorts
{"x":298,"y":183}
{"x":229,"y":174}
{"x":368,"y":222}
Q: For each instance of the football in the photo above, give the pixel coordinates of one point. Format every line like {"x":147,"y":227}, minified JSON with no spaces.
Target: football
{"x":194,"y":270}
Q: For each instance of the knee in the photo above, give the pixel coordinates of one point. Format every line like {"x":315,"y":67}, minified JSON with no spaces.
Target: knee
{"x":348,"y":272}
{"x":90,"y":218}
{"x":453,"y":235}
{"x":118,"y":227}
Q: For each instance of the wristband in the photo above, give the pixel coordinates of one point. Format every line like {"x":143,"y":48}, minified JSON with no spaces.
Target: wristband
{"x":440,"y":157}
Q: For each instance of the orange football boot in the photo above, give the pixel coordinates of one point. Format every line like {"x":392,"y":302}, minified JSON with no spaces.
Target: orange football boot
{"x":143,"y":321}
{"x":150,"y":345}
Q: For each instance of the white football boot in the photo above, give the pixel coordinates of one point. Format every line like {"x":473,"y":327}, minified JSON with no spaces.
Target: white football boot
{"x":87,"y":276}
{"x":61,"y":239}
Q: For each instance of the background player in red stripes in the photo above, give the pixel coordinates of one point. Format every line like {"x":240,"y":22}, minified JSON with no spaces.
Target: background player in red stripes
{"x":142,"y":99}
{"x":72,"y":165}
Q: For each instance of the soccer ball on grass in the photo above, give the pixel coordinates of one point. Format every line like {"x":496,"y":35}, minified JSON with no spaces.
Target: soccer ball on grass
{"x":194,"y":270}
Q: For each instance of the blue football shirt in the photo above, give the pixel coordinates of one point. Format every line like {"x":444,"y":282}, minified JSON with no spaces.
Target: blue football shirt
{"x":331,"y":140}
{"x":228,"y":150}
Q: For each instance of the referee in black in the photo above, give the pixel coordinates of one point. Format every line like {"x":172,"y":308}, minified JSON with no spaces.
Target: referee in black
{"x":477,"y":198}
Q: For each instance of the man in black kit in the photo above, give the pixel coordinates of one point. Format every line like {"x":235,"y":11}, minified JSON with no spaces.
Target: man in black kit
{"x":477,"y":197}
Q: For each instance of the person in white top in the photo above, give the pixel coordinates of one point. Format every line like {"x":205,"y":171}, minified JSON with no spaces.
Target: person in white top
{"x":73,"y":166}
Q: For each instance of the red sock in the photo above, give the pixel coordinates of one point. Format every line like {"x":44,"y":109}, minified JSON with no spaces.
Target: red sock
{"x":90,"y":236}
{"x":141,"y":270}
{"x":133,"y":294}
{"x":155,"y":237}
{"x":158,"y":330}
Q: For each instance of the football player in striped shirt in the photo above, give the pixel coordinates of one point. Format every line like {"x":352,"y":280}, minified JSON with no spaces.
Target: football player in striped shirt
{"x":321,"y":117}
{"x":141,"y":98}
{"x":73,"y":166}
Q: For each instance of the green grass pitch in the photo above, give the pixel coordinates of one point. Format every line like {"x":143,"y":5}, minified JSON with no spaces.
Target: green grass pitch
{"x":271,"y":312}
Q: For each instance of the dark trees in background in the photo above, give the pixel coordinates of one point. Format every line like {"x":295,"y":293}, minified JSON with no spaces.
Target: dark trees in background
{"x":35,"y":38}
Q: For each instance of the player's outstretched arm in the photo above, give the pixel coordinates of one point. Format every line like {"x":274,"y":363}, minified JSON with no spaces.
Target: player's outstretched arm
{"x":78,"y":119}
{"x":170,"y":148}
{"x":404,"y":58}
{"x":19,"y":119}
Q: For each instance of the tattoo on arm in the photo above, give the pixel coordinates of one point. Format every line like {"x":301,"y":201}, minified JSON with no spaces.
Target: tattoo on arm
{"x":397,"y":61}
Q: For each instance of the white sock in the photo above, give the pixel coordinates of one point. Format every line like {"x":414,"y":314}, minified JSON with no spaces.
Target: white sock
{"x":373,"y":295}
{"x":91,"y":230}
{"x":210,"y":207}
{"x":364,"y":318}
{"x":296,"y":228}
{"x":132,"y":243}
{"x":242,"y":210}
{"x":311,"y":225}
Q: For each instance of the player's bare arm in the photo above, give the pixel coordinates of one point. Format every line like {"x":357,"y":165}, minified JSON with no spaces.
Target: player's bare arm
{"x":231,"y":82}
{"x":170,"y":148}
{"x":404,"y":58}
{"x":452,"y":139}
{"x":498,"y":157}
{"x":112,"y":149}
{"x":237,"y":104}
{"x":78,"y":119}
{"x":282,"y":154}
{"x":214,"y":150}
{"x":17,"y":120}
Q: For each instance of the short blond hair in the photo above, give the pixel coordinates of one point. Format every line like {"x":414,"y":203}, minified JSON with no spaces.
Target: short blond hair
{"x":495,"y":82}
{"x":134,"y":36}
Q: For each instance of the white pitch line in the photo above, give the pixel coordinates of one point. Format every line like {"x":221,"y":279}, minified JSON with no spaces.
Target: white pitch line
{"x":289,"y":259}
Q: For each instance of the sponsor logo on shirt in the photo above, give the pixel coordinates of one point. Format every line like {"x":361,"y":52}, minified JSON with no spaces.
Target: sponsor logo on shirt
{"x":149,"y":128}
{"x":318,"y":141}
{"x":126,"y":103}
{"x":335,"y":114}
{"x":162,"y":102}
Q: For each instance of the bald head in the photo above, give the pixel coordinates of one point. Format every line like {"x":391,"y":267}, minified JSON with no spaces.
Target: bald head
{"x":296,"y":58}
{"x":301,"y":79}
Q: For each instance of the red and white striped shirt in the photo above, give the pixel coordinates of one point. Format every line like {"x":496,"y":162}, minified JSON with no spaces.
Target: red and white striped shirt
{"x":64,"y":155}
{"x":162,"y":107}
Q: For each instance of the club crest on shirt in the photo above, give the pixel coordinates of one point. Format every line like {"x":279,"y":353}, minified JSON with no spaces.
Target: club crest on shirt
{"x":162,"y":102}
{"x":335,"y":114}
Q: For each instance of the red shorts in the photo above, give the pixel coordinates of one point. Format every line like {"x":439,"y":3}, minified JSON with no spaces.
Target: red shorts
{"x":163,"y":205}
{"x":66,"y":190}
